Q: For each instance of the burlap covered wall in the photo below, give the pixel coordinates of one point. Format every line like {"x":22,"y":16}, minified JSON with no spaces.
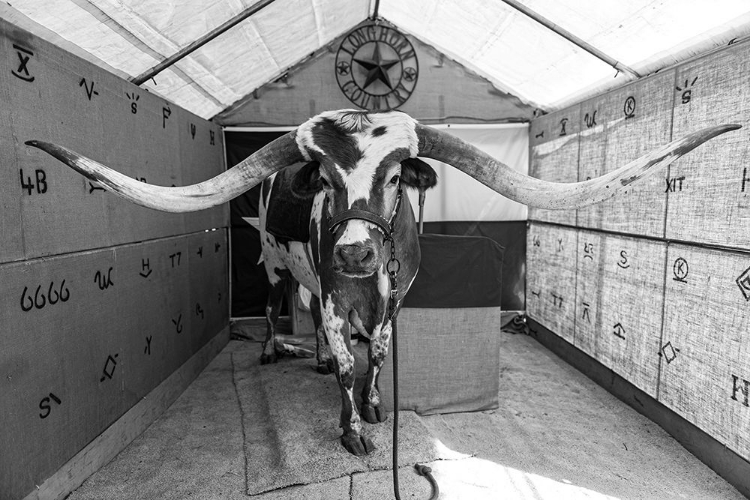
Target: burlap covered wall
{"x":655,"y":284}
{"x":100,"y":300}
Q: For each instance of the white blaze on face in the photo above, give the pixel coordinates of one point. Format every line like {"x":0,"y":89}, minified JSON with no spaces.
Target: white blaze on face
{"x":399,"y":132}
{"x":358,"y":182}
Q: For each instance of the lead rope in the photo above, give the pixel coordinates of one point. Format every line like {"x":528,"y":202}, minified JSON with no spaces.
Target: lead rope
{"x":392,"y":268}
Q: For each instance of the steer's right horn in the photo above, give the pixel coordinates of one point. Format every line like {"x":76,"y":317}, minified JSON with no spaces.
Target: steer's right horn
{"x":534,"y":192}
{"x":228,"y":185}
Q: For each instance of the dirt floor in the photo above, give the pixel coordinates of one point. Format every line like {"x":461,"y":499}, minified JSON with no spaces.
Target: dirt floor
{"x":555,"y":435}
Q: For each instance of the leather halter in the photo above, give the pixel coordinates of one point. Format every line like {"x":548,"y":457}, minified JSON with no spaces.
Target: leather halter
{"x":381,"y":222}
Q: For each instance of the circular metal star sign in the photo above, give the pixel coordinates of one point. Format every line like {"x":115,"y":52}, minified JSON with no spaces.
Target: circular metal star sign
{"x":376,"y":67}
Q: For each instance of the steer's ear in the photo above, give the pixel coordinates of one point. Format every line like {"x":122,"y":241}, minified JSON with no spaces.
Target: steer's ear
{"x":417,"y":174}
{"x":306,"y":181}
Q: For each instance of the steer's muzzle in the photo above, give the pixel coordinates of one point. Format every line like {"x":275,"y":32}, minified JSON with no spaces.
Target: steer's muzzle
{"x":356,"y":260}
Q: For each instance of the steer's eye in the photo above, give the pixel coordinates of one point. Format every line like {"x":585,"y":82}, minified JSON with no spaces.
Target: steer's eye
{"x":325,"y":183}
{"x":395,"y":179}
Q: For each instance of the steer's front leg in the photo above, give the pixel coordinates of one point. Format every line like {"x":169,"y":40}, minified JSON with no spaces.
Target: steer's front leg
{"x":337,"y":333}
{"x":372,"y":411}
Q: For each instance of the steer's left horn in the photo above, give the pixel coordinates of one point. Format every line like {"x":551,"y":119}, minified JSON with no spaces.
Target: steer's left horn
{"x":228,"y":185}
{"x":535,"y":192}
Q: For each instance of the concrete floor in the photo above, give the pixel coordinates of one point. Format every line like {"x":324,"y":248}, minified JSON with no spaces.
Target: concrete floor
{"x":556,"y":435}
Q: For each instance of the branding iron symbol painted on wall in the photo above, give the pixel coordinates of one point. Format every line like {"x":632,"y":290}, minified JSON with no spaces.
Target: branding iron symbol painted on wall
{"x":619,"y":331}
{"x":376,"y":67}
{"x":629,"y":107}
{"x":743,"y":281}
{"x":145,"y":268}
{"x":90,"y":92}
{"x":109,"y":368}
{"x":22,"y":71}
{"x":45,"y":405}
{"x":623,"y":262}
{"x":669,"y":352}
{"x":680,"y":269}
{"x":687,"y":92}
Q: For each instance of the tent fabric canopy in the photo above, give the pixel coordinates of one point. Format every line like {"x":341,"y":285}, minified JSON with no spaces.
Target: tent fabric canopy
{"x":513,"y":51}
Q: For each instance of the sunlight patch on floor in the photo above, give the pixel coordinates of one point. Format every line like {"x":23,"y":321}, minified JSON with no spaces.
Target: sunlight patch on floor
{"x":478,"y":479}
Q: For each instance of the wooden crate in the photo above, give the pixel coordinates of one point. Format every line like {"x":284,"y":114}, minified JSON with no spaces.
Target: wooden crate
{"x":550,"y":277}
{"x":553,"y":142}
{"x":625,"y":124}
{"x":619,"y":299}
{"x":706,"y":345}
{"x":709,"y":195}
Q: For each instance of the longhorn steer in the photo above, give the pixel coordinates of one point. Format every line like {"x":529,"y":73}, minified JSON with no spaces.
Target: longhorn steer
{"x":357,"y":163}
{"x":344,"y":261}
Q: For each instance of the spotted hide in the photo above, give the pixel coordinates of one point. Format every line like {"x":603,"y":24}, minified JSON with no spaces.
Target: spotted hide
{"x":357,"y":162}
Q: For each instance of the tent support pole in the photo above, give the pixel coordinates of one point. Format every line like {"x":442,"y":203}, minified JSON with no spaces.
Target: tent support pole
{"x":375,"y":10}
{"x":572,"y":38}
{"x":169,"y":61}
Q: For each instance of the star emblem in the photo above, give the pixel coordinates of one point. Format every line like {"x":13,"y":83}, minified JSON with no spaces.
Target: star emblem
{"x":343,"y":68}
{"x":377,"y":68}
{"x":410,"y":74}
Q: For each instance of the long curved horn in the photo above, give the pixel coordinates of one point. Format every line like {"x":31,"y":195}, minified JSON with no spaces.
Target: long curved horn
{"x":535,"y":192}
{"x":276,"y":155}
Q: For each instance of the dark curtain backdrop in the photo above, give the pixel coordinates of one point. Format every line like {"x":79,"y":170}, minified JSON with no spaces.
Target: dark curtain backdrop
{"x":249,"y":280}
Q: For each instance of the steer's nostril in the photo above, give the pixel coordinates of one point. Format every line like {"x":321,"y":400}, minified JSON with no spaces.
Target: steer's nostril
{"x":354,"y":255}
{"x":367,"y":258}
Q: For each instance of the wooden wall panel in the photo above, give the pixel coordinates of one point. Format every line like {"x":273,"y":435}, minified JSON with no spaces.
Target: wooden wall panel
{"x":619,"y":301}
{"x":554,"y":157}
{"x":201,"y":147}
{"x":60,"y":383}
{"x":100,"y":300}
{"x":11,"y":243}
{"x":709,"y":191}
{"x":594,"y":119}
{"x":550,"y":277}
{"x":704,"y":352}
{"x":663,"y":273}
{"x":143,"y":145}
{"x":57,"y":216}
{"x":630,"y":122}
{"x":97,"y":331}
{"x":66,"y":100}
{"x":208,"y":285}
{"x":589,"y":286}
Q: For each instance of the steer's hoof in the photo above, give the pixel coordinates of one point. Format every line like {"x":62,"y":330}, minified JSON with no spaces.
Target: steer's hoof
{"x":357,"y":445}
{"x":372,"y":414}
{"x":267,"y":359}
{"x":325,"y":367}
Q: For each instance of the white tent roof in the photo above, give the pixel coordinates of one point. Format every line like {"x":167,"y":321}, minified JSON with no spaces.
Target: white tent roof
{"x":514,"y":52}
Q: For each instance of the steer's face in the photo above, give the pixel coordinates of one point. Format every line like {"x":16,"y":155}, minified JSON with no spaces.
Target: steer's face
{"x":358,"y":159}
